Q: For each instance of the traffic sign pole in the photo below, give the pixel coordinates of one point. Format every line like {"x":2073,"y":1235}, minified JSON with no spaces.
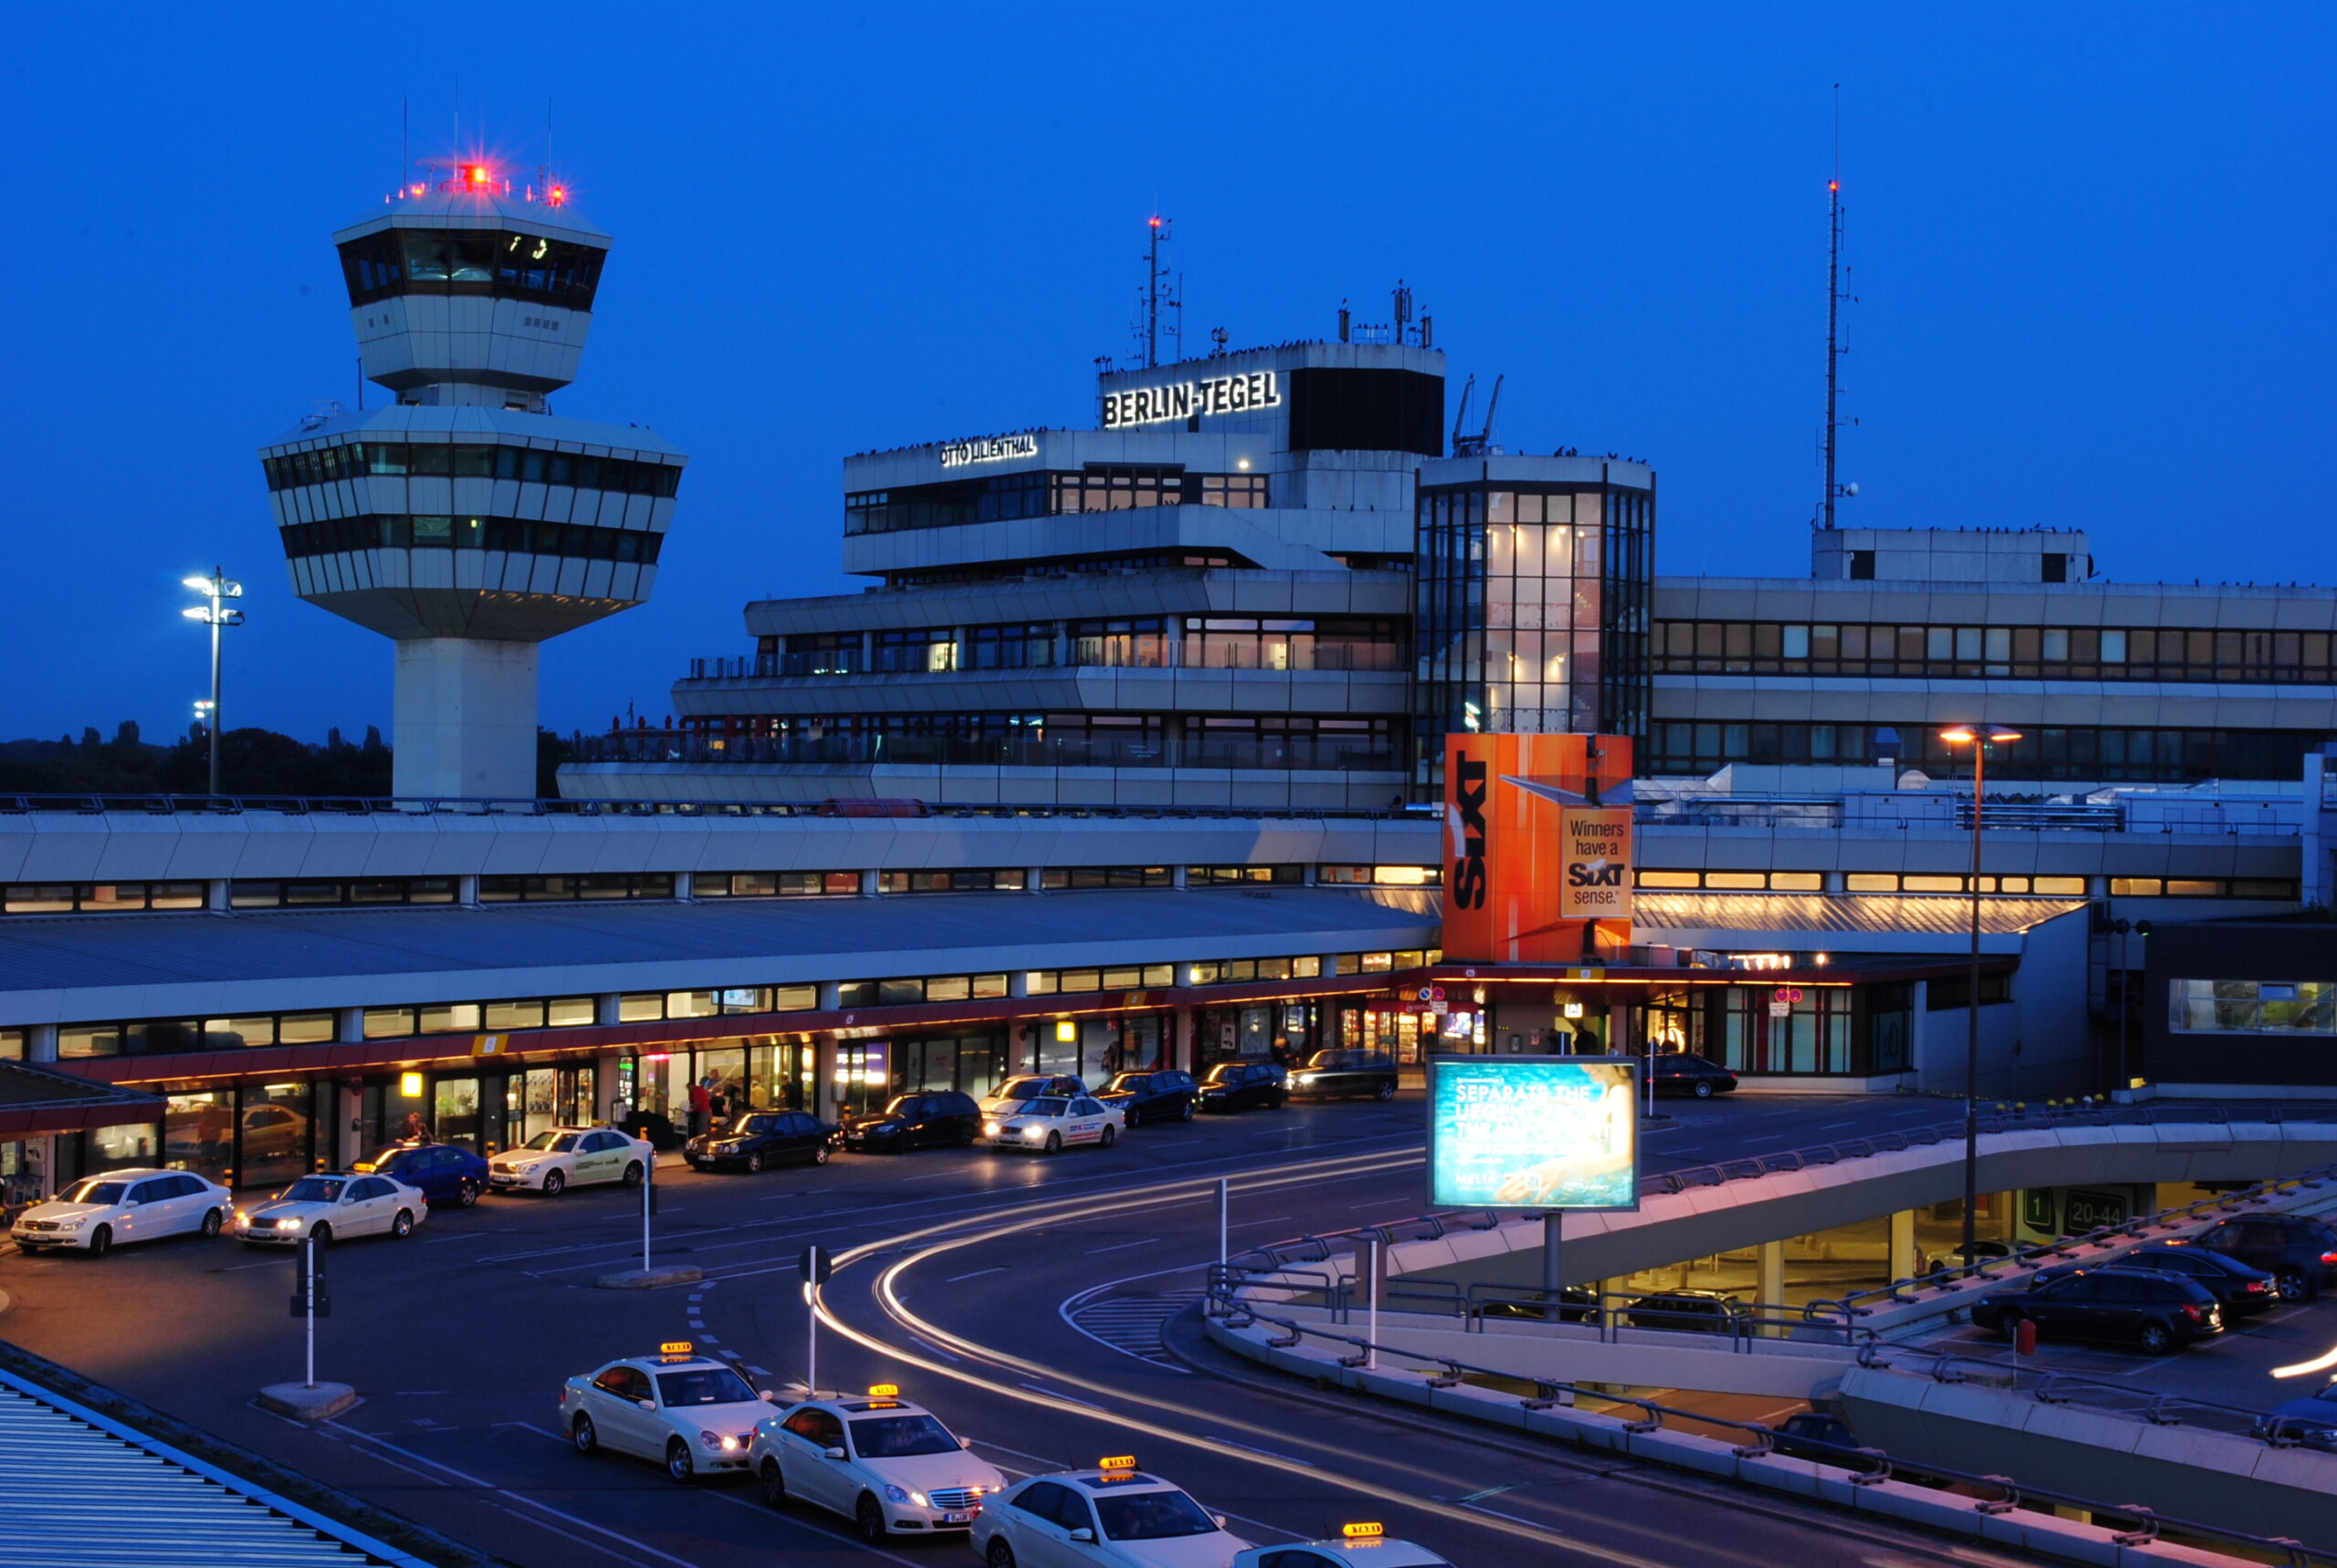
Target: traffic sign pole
{"x":815,"y":1267}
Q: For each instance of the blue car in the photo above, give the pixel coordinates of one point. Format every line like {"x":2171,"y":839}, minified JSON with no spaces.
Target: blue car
{"x":2312,"y":1420}
{"x":446,"y":1175}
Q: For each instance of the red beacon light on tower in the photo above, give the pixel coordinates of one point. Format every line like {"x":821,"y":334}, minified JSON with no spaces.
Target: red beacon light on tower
{"x":475,"y":175}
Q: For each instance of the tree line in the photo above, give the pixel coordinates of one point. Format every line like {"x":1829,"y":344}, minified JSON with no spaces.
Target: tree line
{"x":251,"y":762}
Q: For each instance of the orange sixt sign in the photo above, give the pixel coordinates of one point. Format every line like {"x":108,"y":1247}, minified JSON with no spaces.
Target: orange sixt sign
{"x":1539,"y":847}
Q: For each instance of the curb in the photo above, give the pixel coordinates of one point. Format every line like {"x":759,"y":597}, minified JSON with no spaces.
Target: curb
{"x":648,"y":1278}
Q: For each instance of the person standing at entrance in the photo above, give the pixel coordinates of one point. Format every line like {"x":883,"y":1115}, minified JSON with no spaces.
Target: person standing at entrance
{"x":701,"y":1104}
{"x":415,"y":1131}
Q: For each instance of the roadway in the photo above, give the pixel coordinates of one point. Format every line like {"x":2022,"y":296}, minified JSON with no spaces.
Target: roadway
{"x":963,"y":1275}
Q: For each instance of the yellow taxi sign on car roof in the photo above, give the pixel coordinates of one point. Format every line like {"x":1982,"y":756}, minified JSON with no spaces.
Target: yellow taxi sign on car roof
{"x":677,"y":1347}
{"x":1362,"y":1531}
{"x":1117,"y":1462}
{"x":884,"y":1391}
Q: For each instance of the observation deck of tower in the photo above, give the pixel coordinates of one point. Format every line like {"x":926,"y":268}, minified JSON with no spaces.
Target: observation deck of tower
{"x":466,"y":521}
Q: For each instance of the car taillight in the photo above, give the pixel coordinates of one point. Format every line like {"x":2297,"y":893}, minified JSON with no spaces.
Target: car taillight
{"x":2191,"y":1310}
{"x":2330,"y":1258}
{"x":2257,"y":1287}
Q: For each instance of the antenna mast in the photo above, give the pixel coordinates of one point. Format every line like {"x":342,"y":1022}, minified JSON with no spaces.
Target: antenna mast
{"x":1159,"y":295}
{"x":1834,"y":297}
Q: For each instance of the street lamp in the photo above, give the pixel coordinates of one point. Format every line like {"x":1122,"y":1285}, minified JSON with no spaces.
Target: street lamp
{"x":217,"y":589}
{"x":1979,"y":738}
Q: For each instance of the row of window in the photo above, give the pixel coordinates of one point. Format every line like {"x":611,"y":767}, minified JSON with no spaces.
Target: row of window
{"x":917,"y":989}
{"x":1003,"y":497}
{"x":1073,"y":982}
{"x":308,"y":895}
{"x":2083,"y":753}
{"x":650,"y":1007}
{"x":157,"y":1037}
{"x":470,"y":460}
{"x":2252,"y":1007}
{"x":2021,"y":652}
{"x":512,"y":535}
{"x":571,"y":889}
{"x":1043,"y":740}
{"x":775,"y":885}
{"x":1216,"y":642}
{"x":1057,"y":567}
{"x":501,"y":264}
{"x":1860,"y":882}
{"x":98,"y":897}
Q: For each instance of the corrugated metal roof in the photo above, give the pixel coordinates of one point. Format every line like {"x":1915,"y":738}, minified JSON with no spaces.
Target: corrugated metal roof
{"x":825,"y":936}
{"x":1824,"y":914}
{"x":85,"y":1492}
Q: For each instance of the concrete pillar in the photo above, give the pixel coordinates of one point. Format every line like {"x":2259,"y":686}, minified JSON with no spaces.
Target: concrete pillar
{"x":824,"y":1079}
{"x":467,"y":890}
{"x":1769,"y":1289}
{"x":42,"y":1045}
{"x":218,"y":895}
{"x":1182,"y":1053}
{"x":868,"y":883}
{"x":1904,"y":1263}
{"x":1618,"y":1029}
{"x":465,"y":718}
{"x":350,"y":1025}
{"x":349,"y":1126}
{"x":606,"y":1008}
{"x":683,"y":885}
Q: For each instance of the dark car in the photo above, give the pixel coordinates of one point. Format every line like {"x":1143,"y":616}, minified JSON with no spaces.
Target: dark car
{"x":757,"y":1138}
{"x":2297,"y":1252}
{"x":1814,"y":1435}
{"x":444,"y":1173}
{"x":1329,"y":1073}
{"x":916,"y":1122}
{"x":1681,"y":1073}
{"x":2310,"y":1421}
{"x":1161,"y":1095}
{"x":2237,"y":1289}
{"x":2155,"y":1312}
{"x":1576,"y":1305}
{"x":1245,"y":1086}
{"x":1983,"y":1253}
{"x":1688,"y":1311}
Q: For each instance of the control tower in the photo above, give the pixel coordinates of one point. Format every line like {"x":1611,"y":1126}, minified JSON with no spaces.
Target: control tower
{"x":464,"y":520}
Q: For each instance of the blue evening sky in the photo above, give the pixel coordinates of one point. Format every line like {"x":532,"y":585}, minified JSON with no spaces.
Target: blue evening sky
{"x":2092,"y":244}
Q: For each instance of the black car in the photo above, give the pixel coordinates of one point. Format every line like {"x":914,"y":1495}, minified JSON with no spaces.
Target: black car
{"x":1982,"y":1253}
{"x":1246,"y":1086}
{"x":916,"y":1122}
{"x":446,"y":1175}
{"x":2297,"y":1252}
{"x":1688,"y":1311}
{"x":1681,"y":1073}
{"x":1162,"y":1095}
{"x":2237,"y":1289}
{"x":1814,"y":1435}
{"x":1328,"y":1074}
{"x":2155,"y":1312}
{"x":757,"y":1138}
{"x":1576,"y":1305}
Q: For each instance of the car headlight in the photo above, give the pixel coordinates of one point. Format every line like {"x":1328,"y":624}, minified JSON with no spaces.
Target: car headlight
{"x":989,"y":1129}
{"x":72,"y":1224}
{"x":290,"y":1224}
{"x":718,"y":1441}
{"x":897,"y":1494}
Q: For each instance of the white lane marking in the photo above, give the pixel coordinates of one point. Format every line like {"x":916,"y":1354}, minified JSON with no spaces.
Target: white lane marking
{"x":1034,"y":1458}
{"x":1052,"y":1395}
{"x":1272,"y":1219}
{"x":1262,"y":1524}
{"x":1529,"y":1524}
{"x":1122,"y":1247}
{"x":1269,"y":1453}
{"x":975,"y":1275}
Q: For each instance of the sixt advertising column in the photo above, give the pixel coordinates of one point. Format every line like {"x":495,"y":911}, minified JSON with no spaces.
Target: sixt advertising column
{"x":1538,"y":847}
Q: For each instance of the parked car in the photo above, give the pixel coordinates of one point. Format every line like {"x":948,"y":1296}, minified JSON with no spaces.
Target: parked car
{"x":1576,"y":1305}
{"x":2297,"y":1252}
{"x":1982,"y":1253}
{"x":757,"y":1138}
{"x":1688,"y":1311}
{"x":1051,"y":1122}
{"x":1680,"y":1073}
{"x":332,"y":1207}
{"x":2237,"y":1288}
{"x":2155,"y":1312}
{"x":916,"y":1122}
{"x":2312,"y":1420}
{"x":1246,"y":1086}
{"x":560,"y":1157}
{"x":1030,"y":1086}
{"x":443,"y":1173}
{"x":94,"y":1213}
{"x":1161,"y":1095}
{"x":1331,"y":1073}
{"x":1815,"y":1434}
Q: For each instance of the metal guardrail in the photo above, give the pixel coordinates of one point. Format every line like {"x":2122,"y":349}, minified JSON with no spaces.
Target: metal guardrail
{"x":430,"y":806}
{"x":1866,"y":1467}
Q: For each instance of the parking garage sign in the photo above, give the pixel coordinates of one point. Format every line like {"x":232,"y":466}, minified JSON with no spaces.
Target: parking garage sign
{"x":1532,"y":1133}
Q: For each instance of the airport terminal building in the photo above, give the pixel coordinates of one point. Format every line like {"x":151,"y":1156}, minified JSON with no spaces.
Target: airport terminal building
{"x":1128,"y":755}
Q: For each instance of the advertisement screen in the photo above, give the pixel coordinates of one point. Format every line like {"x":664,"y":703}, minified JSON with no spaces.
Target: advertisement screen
{"x":1533,"y":1132}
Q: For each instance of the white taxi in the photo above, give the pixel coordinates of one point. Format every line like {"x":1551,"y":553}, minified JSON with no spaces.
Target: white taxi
{"x":1115,"y":1514}
{"x":691,"y":1412}
{"x":560,"y":1157}
{"x":96,"y":1212}
{"x":1053,"y":1122}
{"x":333,"y":1207}
{"x":882,"y":1462}
{"x":1358,"y":1546}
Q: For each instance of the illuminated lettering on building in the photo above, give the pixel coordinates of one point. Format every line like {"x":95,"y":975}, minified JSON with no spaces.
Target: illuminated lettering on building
{"x":989,"y":449}
{"x":1191,"y":400}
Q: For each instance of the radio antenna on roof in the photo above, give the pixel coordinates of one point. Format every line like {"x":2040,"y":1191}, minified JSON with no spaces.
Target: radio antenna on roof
{"x":1158,"y":294}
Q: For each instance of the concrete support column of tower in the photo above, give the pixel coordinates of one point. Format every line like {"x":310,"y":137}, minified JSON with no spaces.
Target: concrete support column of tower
{"x":465,"y":720}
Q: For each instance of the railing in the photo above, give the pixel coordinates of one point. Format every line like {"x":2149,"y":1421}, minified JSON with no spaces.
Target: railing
{"x":1325,"y":752}
{"x":1303,"y":653}
{"x":1866,"y":1467}
{"x":2124,"y":1399}
{"x":456,"y":806}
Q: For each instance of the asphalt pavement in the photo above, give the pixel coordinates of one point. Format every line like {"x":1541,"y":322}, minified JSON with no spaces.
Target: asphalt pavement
{"x":1038,"y":1305}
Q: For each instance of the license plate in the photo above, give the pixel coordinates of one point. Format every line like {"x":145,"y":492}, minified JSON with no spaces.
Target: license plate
{"x":958,"y":1516}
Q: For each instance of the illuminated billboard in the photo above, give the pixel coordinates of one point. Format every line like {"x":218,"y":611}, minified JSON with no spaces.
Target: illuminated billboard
{"x":1533,"y":1132}
{"x":1538,"y":848}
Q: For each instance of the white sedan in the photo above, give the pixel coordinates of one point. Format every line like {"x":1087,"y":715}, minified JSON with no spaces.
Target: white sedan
{"x":333,"y":1207}
{"x":560,"y":1157}
{"x":1358,"y":1546}
{"x":1052,"y":1123}
{"x":96,"y":1212}
{"x":692,"y":1414}
{"x":1115,"y":1516}
{"x":882,"y":1462}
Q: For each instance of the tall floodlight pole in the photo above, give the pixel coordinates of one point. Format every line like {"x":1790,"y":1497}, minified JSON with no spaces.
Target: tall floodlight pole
{"x":217,"y":589}
{"x":1979,"y":738}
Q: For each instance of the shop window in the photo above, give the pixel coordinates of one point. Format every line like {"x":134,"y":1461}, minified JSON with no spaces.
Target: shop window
{"x":115,"y":1148}
{"x":198,"y":1133}
{"x":273,"y":1128}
